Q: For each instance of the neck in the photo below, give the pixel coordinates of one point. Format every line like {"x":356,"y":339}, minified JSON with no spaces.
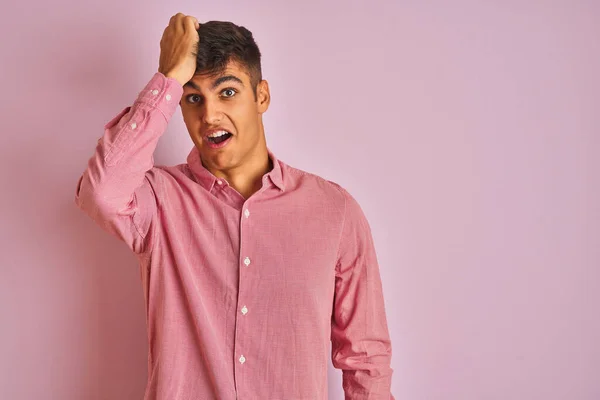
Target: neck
{"x":247,"y":178}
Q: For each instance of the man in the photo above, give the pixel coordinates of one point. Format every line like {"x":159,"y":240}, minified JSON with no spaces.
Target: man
{"x":250,"y":267}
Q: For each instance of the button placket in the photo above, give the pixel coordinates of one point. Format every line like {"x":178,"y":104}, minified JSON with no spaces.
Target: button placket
{"x":246,"y":262}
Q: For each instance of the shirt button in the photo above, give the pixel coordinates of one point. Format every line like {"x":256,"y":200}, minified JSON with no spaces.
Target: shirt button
{"x":247,"y":213}
{"x":133,"y":126}
{"x":168,"y":97}
{"x":242,"y":359}
{"x":247,"y":261}
{"x":155,"y":92}
{"x":244,"y":310}
{"x":220,"y":182}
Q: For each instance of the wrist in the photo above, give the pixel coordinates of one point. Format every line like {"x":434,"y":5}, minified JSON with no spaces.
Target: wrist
{"x":170,"y":75}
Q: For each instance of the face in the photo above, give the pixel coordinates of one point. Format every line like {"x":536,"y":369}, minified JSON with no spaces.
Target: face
{"x":225,"y":103}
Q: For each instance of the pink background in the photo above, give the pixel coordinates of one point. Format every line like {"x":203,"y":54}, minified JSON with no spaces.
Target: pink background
{"x":468,"y":131}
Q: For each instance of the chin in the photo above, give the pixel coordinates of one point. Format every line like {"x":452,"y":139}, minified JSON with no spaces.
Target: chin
{"x":218,"y":158}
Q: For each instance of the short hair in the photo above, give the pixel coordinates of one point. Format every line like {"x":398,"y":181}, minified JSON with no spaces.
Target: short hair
{"x":222,"y":42}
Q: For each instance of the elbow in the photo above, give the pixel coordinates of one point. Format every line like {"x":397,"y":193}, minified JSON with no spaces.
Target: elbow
{"x":91,"y":199}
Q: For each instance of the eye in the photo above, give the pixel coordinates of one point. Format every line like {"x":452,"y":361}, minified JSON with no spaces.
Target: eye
{"x":193,"y":96}
{"x":229,"y":92}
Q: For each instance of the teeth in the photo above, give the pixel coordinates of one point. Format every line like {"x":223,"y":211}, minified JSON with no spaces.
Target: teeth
{"x":217,"y":134}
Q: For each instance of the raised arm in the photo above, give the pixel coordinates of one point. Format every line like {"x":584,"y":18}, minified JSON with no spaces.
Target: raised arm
{"x":115,"y":189}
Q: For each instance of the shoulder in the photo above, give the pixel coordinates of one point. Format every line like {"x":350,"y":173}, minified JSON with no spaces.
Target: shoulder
{"x":321,"y":187}
{"x":169,"y":177}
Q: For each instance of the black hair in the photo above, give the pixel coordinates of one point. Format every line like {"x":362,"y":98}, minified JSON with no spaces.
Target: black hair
{"x":222,"y":42}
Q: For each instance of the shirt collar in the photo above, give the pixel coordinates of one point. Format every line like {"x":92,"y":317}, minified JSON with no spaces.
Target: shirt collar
{"x":208,"y":180}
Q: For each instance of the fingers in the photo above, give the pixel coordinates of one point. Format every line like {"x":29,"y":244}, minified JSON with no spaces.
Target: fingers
{"x":191,"y":24}
{"x":184,"y":22}
{"x":175,"y":18}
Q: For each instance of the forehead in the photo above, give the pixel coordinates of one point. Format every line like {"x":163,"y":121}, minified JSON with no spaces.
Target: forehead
{"x":232,"y":74}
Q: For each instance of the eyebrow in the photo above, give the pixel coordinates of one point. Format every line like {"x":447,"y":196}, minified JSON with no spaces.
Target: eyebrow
{"x":217,"y":82}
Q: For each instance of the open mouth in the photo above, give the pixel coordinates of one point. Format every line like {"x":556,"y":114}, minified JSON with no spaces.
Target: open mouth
{"x":216,"y":139}
{"x":219,"y":139}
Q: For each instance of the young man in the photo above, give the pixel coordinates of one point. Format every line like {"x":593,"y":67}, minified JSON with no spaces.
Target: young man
{"x":250,"y":267}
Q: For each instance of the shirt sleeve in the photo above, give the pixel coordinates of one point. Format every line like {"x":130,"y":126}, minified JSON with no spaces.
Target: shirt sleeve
{"x":361,"y":345}
{"x":115,"y":189}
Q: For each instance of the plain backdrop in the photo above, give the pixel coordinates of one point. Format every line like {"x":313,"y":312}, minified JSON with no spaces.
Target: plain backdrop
{"x":467,"y":130}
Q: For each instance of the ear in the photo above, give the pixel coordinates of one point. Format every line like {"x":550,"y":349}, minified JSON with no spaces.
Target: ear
{"x":263,"y":96}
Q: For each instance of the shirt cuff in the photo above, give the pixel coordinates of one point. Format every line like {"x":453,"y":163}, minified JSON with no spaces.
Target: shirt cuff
{"x":162,"y":93}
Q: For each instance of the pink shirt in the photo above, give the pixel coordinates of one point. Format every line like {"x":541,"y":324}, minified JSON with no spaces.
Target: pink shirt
{"x":243,"y":297}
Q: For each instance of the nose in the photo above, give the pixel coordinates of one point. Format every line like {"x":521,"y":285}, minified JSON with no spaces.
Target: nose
{"x":212,"y":113}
